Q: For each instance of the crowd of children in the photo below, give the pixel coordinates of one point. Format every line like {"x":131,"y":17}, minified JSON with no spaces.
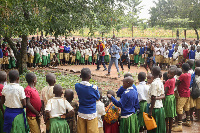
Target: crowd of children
{"x":51,"y":53}
{"x":165,"y":100}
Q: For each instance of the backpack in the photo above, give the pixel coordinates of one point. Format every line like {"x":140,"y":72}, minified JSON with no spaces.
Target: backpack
{"x":112,"y":114}
{"x":195,"y":90}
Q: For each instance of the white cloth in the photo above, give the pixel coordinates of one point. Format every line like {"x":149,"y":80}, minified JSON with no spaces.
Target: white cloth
{"x":82,"y":52}
{"x":31,"y":51}
{"x":142,"y":90}
{"x":176,"y":78}
{"x":156,"y":89}
{"x":56,"y":48}
{"x":175,"y":55}
{"x":13,"y":93}
{"x":58,"y":106}
{"x":89,"y":52}
{"x":100,"y":112}
{"x":94,"y":50}
{"x":37,"y":49}
{"x":106,"y":51}
{"x":47,"y":93}
{"x":44,"y":52}
{"x":162,"y":49}
{"x":86,"y":52}
{"x":191,"y":71}
{"x":166,"y":53}
{"x":197,"y":55}
{"x":180,"y":50}
{"x":157,"y":52}
{"x":51,"y":50}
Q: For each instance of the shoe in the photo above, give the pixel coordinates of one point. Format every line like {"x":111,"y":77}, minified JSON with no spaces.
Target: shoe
{"x":187,"y":123}
{"x":97,"y":69}
{"x":178,"y":128}
{"x":105,"y":69}
{"x":108,"y":74}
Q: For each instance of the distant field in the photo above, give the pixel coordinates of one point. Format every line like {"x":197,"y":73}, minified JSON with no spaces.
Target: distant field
{"x":150,"y":32}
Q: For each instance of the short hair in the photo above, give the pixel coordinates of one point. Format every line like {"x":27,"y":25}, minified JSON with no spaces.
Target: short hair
{"x":173,"y":70}
{"x":50,"y":77}
{"x":13,"y":75}
{"x":197,"y":63}
{"x":85,"y":73}
{"x":111,"y":92}
{"x":3,"y":76}
{"x":142,"y":76}
{"x":191,"y":63}
{"x":186,"y":67}
{"x":128,"y":75}
{"x":156,"y":70}
{"x":30,"y":77}
{"x":165,"y":77}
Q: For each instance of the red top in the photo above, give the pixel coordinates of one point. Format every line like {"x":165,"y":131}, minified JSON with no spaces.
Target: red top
{"x":183,"y":87}
{"x":185,"y":53}
{"x":100,"y":48}
{"x":5,"y":51}
{"x":1,"y":88}
{"x":170,"y":83}
{"x":35,"y":101}
{"x":61,"y":50}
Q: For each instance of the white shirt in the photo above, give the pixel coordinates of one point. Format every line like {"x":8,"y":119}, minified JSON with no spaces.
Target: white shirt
{"x":30,"y":51}
{"x":166,"y":53}
{"x":86,"y":52}
{"x":82,"y":52}
{"x":56,"y":48}
{"x":11,"y":53}
{"x":180,"y":50}
{"x":162,"y":49}
{"x":58,"y":106}
{"x":157,"y":89}
{"x":106,"y":51}
{"x":44,"y":52}
{"x":13,"y":93}
{"x":37,"y":50}
{"x":89,"y":52}
{"x":100,"y":111}
{"x":175,"y":55}
{"x":191,"y":71}
{"x":94,"y":50}
{"x":197,"y":55}
{"x":142,"y":90}
{"x":156,"y":49}
{"x":51,"y":50}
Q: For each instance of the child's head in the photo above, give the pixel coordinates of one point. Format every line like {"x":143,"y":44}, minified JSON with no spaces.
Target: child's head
{"x":69,"y":95}
{"x":165,"y":77}
{"x":178,"y":71}
{"x":185,"y":67}
{"x":197,"y":63}
{"x":100,"y":92}
{"x":128,"y":75}
{"x":3,"y":76}
{"x":149,"y":78}
{"x":141,"y":76}
{"x":31,"y":78}
{"x":156,"y":71}
{"x":171,"y":73}
{"x":51,"y":79}
{"x":58,"y":90}
{"x":191,"y":63}
{"x":170,"y":46}
{"x":85,"y":74}
{"x":176,"y":49}
{"x":197,"y":71}
{"x":127,"y":82}
{"x":111,"y":92}
{"x":192,"y":47}
{"x":198,"y":49}
{"x":13,"y":76}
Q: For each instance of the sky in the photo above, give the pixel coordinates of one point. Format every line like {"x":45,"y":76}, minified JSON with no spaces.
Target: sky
{"x":147,"y":4}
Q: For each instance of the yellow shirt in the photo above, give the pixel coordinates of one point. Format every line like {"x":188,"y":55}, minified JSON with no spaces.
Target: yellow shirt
{"x":47,"y":93}
{"x":137,"y":50}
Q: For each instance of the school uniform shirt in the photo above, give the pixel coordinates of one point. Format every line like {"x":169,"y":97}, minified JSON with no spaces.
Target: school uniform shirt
{"x":88,"y":94}
{"x":37,"y":49}
{"x":137,"y":50}
{"x":82,"y":52}
{"x":44,"y":52}
{"x":57,"y":106}
{"x":1,"y":53}
{"x":180,"y":50}
{"x":197,"y":56}
{"x":90,"y":52}
{"x":192,"y":54}
{"x":56,"y":49}
{"x":170,"y":83}
{"x":141,"y":51}
{"x":10,"y":53}
{"x":166,"y":53}
{"x":121,"y":90}
{"x":183,"y":87}
{"x":31,"y":51}
{"x":35,"y":101}
{"x":106,"y":50}
{"x":131,"y":50}
{"x":157,"y":52}
{"x":47,"y":93}
{"x":61,"y":49}
{"x":86,"y":52}
{"x":1,"y":88}
{"x":185,"y":53}
{"x":170,"y":53}
{"x":48,"y":51}
{"x":94,"y":50}
{"x":13,"y":93}
{"x":128,"y":102}
{"x":100,"y":112}
{"x":175,"y":55}
{"x":173,"y":45}
{"x":67,"y":49}
{"x":162,"y":50}
{"x":51,"y":50}
{"x":157,"y":89}
{"x":142,"y":90}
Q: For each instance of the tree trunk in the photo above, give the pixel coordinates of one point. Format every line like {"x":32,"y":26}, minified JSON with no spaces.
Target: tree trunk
{"x":132,"y":30}
{"x":185,"y":34}
{"x":196,"y":33}
{"x":23,"y":52}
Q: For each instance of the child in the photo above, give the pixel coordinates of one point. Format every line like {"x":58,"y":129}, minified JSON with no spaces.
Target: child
{"x":90,"y":55}
{"x":13,"y":97}
{"x":156,"y":94}
{"x":128,"y":104}
{"x":67,"y":50}
{"x":141,"y":55}
{"x":106,"y":54}
{"x":33,"y":103}
{"x":73,"y":55}
{"x":30,"y":55}
{"x":44,"y":56}
{"x":149,"y":78}
{"x":185,"y":53}
{"x":100,"y":112}
{"x":37,"y":55}
{"x":47,"y":93}
{"x":157,"y":53}
{"x":82,"y":61}
{"x":5,"y":56}
{"x":169,"y":102}
{"x":192,"y":53}
{"x":88,"y":94}
{"x":175,"y":56}
{"x":1,"y":57}
{"x":142,"y":89}
{"x":165,"y":78}
{"x":3,"y":78}
{"x":170,"y":55}
{"x":110,"y":123}
{"x":136,"y":54}
{"x":197,"y":54}
{"x":94,"y":53}
{"x":87,"y":55}
{"x":72,"y":121}
{"x":56,"y":110}
{"x":54,"y":62}
{"x":11,"y":58}
{"x":131,"y":53}
{"x":61,"y":49}
{"x":184,"y":94}
{"x":78,"y":55}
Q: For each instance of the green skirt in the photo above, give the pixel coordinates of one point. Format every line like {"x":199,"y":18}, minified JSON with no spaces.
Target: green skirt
{"x":82,"y":60}
{"x":58,"y":56}
{"x":58,"y":125}
{"x":44,"y":60}
{"x":48,"y":59}
{"x":11,"y":63}
{"x":141,"y":60}
{"x":159,"y":116}
{"x":129,"y":125}
{"x":78,"y":55}
{"x":170,"y":106}
{"x":136,"y":59}
{"x":90,"y":59}
{"x":143,"y":108}
{"x":37,"y":58}
{"x":106,"y":58}
{"x":1,"y":120}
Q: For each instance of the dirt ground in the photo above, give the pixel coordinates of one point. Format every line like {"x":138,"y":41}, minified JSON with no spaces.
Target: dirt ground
{"x":112,"y":82}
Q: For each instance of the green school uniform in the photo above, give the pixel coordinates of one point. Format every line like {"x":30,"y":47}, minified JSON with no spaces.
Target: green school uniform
{"x":170,"y":106}
{"x":44,"y":60}
{"x":11,"y":63}
{"x":59,"y":125}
